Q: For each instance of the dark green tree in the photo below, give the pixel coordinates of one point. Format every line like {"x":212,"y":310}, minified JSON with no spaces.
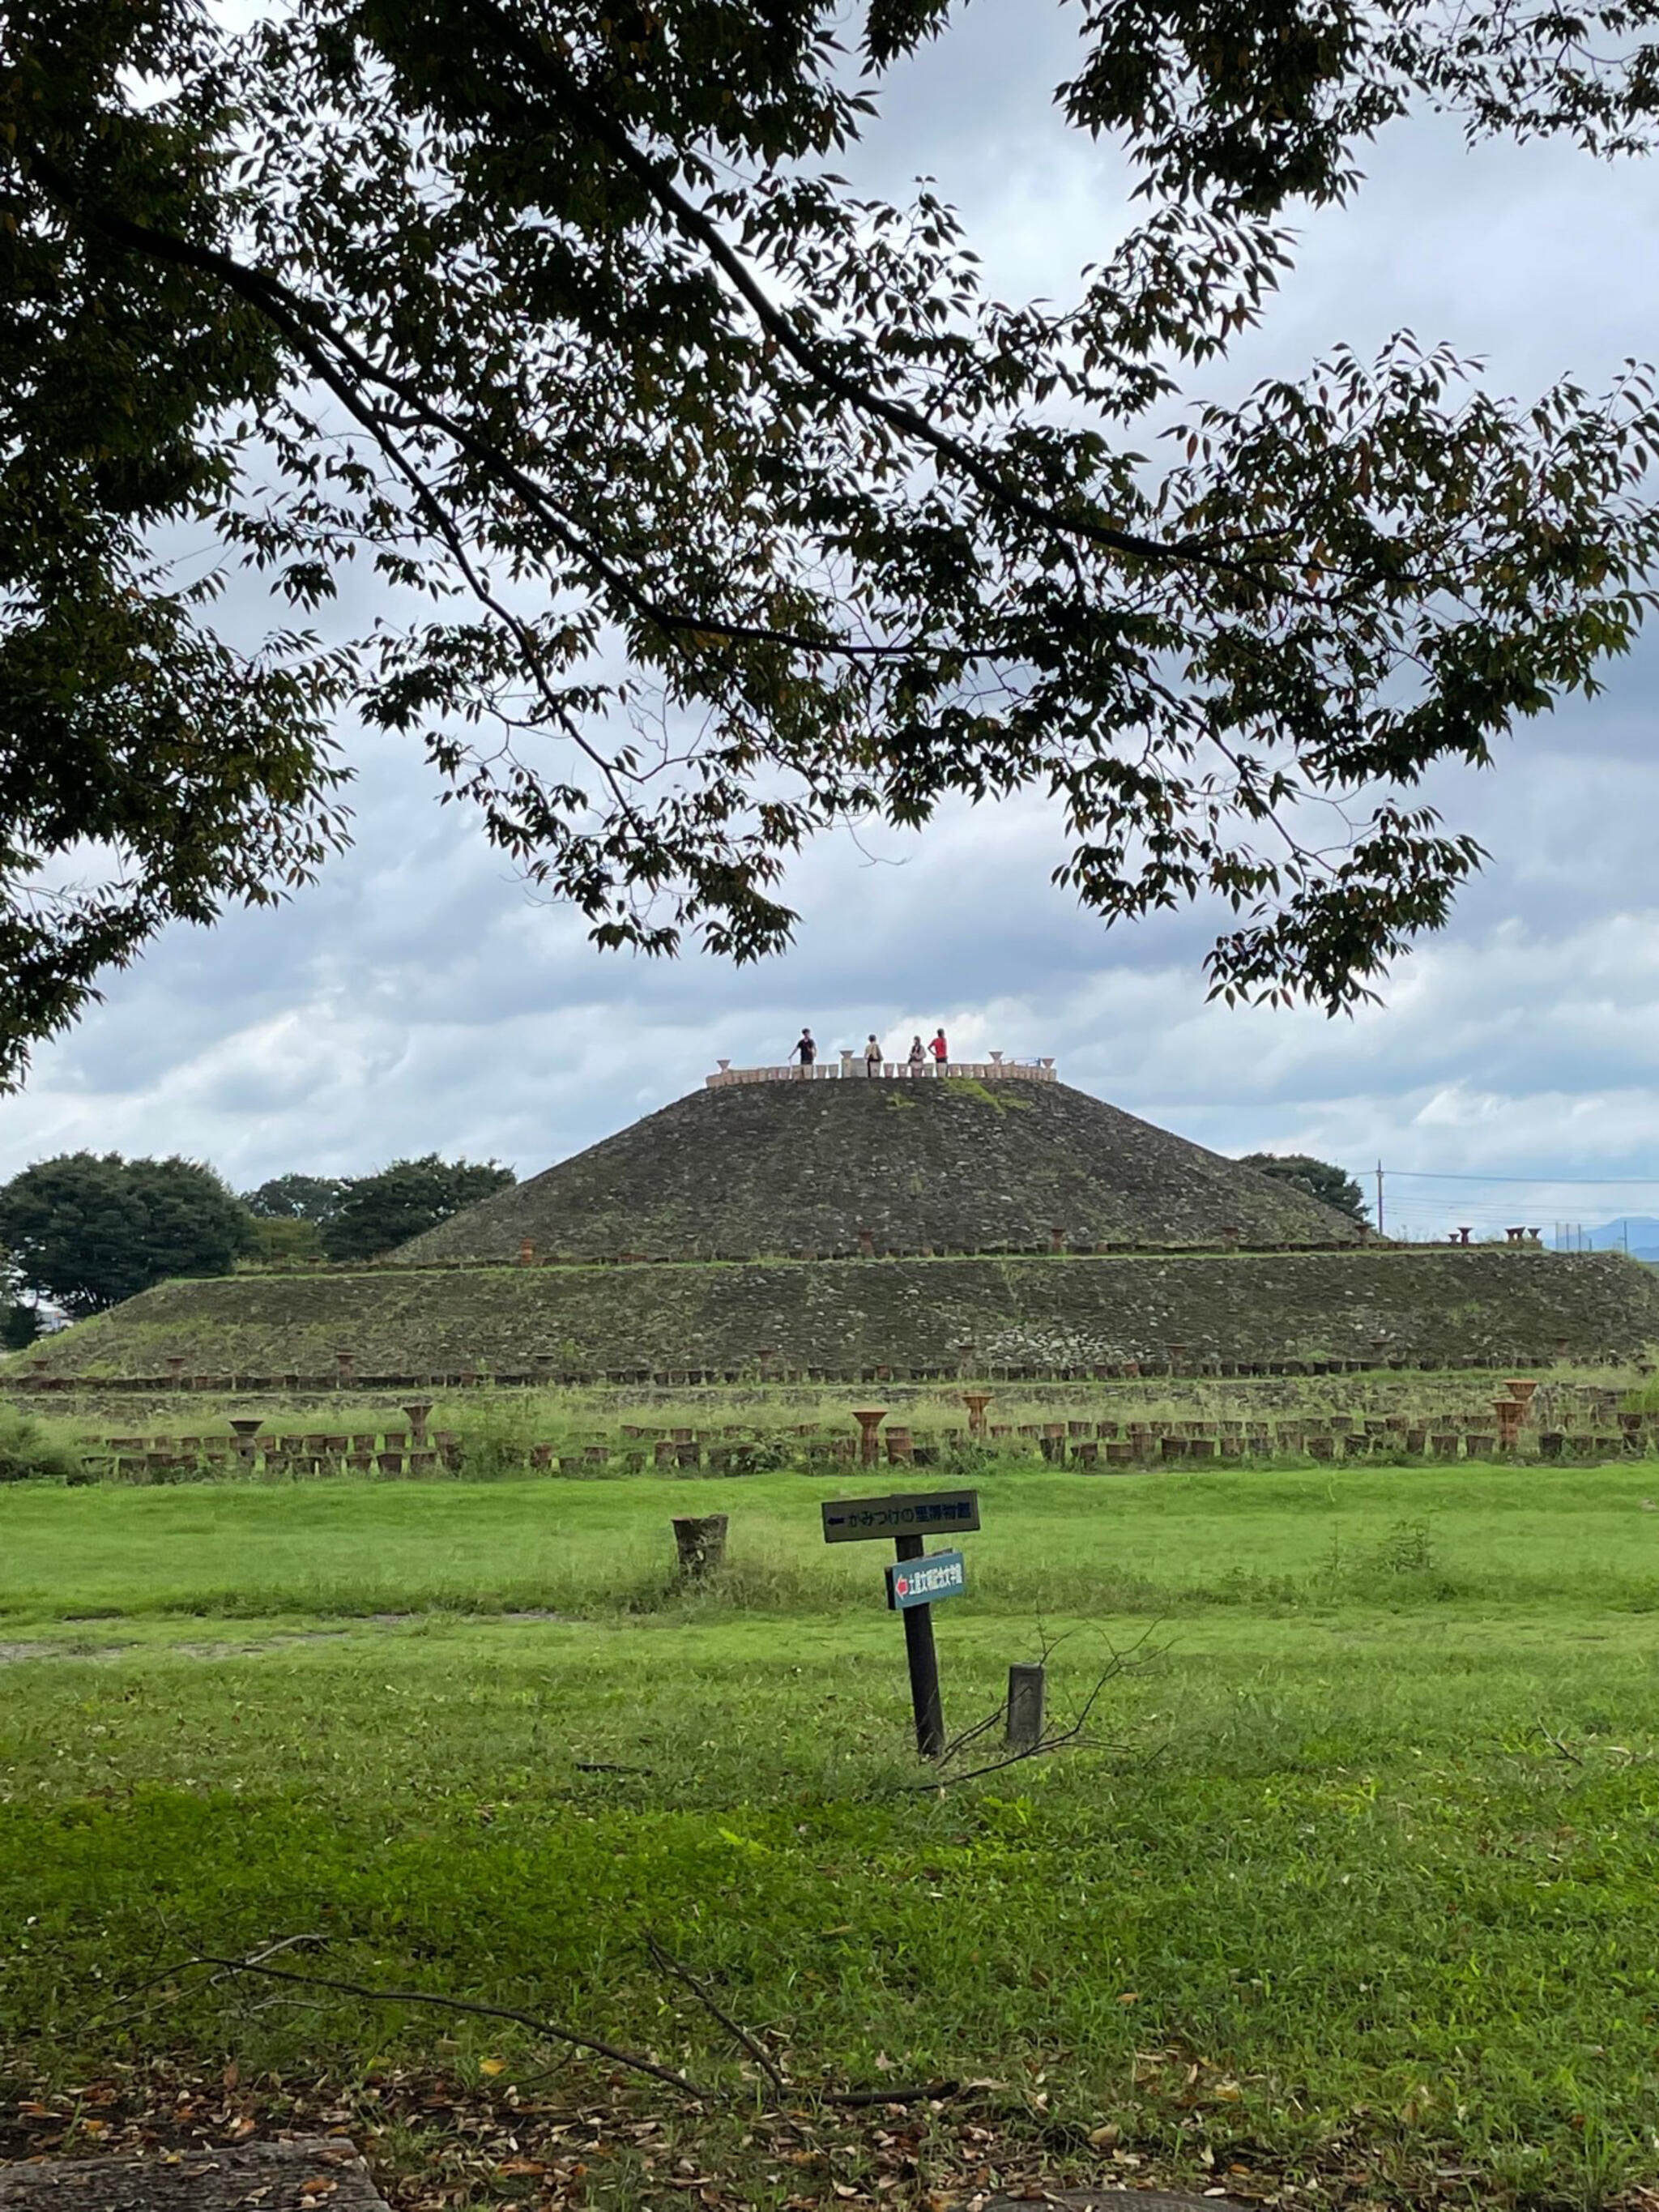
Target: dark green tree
{"x":1332,"y":1185}
{"x":20,"y":1316}
{"x":379,"y":1212}
{"x":20,"y":1325}
{"x":297,"y":1198}
{"x":555,"y":313}
{"x":87,"y":1230}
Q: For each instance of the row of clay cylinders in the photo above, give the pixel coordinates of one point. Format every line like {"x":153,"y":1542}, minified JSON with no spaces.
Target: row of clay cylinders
{"x":871,"y":1416}
{"x":418,"y":1411}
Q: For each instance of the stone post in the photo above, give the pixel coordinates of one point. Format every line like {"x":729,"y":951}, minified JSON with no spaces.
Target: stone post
{"x":700,"y":1544}
{"x":976,"y":1401}
{"x":1027,"y":1696}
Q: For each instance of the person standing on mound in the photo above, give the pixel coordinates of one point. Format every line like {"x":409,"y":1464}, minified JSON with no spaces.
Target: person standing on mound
{"x":873,"y":1054}
{"x":939,"y":1050}
{"x":806,"y":1051}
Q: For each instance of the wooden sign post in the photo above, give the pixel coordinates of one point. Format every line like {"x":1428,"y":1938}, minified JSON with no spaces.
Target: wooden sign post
{"x":909,"y":1518}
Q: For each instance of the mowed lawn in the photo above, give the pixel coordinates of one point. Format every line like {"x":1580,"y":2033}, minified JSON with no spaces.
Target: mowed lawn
{"x":1354,"y":1871}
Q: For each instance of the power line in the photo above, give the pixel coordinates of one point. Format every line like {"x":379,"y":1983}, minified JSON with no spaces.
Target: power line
{"x":1535,"y":1182}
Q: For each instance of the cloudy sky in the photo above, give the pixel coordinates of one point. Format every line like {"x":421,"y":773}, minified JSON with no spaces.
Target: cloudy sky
{"x":415,"y":1001}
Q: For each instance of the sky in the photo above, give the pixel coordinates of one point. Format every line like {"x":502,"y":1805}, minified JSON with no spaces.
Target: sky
{"x":417,"y":1001}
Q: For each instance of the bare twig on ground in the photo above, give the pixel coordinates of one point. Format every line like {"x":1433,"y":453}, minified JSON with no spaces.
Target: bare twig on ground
{"x":762,"y":2057}
{"x":630,"y":2059}
{"x":861,"y":2100}
{"x":283,"y":1943}
{"x":1556,"y":1744}
{"x":167,"y":1973}
{"x":960,"y":1743}
{"x":1051,"y":1739}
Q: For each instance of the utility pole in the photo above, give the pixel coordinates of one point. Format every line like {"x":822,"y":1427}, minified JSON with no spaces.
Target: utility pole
{"x":1379,"y":1198}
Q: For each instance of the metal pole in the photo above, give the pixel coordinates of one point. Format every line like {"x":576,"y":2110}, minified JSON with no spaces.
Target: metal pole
{"x":1379,"y":1198}
{"x":923,"y":1662}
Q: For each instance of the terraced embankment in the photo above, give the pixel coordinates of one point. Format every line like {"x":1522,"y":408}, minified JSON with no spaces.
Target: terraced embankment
{"x":845,"y":1317}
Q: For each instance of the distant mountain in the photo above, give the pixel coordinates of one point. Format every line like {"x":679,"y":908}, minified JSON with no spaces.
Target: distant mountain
{"x":1639,"y":1231}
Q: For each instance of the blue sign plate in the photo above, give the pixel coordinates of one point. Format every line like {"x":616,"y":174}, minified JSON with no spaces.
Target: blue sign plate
{"x":926,"y":1581}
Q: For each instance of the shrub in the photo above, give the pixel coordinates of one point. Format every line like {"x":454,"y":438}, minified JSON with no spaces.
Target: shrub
{"x":29,"y":1453}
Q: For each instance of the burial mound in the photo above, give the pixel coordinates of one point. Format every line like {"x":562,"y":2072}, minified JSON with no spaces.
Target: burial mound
{"x":841,"y":1227}
{"x":826,"y":1169}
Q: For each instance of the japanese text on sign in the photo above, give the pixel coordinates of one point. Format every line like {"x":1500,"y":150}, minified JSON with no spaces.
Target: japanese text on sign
{"x":852,"y":1520}
{"x":926,"y":1581}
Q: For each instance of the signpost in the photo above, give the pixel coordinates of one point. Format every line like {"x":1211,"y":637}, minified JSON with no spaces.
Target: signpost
{"x":916,"y":1580}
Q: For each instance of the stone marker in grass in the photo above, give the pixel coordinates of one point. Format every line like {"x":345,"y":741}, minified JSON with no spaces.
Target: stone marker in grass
{"x":297,"y":2176}
{"x":700,"y":1543}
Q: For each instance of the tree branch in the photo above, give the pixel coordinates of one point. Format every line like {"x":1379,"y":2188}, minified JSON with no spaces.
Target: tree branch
{"x":763,"y":2057}
{"x":292,"y":316}
{"x":540,"y":59}
{"x":631,"y":2059}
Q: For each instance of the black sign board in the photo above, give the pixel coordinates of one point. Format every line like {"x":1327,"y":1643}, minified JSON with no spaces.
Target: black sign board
{"x":913,"y":1513}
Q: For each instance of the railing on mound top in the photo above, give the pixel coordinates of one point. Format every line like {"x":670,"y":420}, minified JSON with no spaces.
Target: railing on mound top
{"x":853,"y":1067}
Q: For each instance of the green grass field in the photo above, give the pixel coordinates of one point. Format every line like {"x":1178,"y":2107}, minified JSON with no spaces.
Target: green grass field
{"x":1353,"y":1883}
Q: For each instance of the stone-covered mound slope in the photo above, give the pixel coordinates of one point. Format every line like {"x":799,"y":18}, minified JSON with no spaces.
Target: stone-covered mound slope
{"x":800,"y":1170}
{"x":839,"y":1317}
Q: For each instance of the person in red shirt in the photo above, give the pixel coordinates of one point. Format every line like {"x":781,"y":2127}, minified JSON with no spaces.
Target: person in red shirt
{"x":939,"y":1050}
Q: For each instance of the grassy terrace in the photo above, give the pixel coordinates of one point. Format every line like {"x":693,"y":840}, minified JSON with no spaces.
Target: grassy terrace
{"x":1354,"y":1891}
{"x":1029,"y":1312}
